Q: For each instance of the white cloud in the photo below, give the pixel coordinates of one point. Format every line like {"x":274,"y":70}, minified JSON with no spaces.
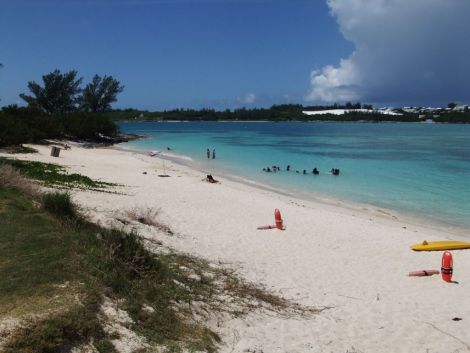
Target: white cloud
{"x":248,"y":99}
{"x":405,"y":50}
{"x":335,"y":84}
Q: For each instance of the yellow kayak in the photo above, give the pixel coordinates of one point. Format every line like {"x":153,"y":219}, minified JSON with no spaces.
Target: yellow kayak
{"x":440,"y":245}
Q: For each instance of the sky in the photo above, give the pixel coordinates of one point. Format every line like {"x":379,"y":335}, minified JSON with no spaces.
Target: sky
{"x":253,"y":53}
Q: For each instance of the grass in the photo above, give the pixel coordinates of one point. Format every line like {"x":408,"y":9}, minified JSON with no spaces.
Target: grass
{"x":53,"y":174}
{"x":61,"y":331}
{"x":60,"y":205}
{"x":10,"y":177}
{"x":39,"y":254}
{"x":16,"y":149}
{"x":33,"y":253}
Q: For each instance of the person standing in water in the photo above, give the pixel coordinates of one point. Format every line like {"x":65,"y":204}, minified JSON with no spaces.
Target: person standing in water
{"x":208,"y":152}
{"x":213,"y":153}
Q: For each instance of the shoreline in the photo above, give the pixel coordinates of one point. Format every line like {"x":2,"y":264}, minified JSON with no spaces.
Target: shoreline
{"x":354,"y":264}
{"x":308,"y":196}
{"x":292,"y":121}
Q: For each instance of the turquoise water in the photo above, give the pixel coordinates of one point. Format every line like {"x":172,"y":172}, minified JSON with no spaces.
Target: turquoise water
{"x":418,"y":169}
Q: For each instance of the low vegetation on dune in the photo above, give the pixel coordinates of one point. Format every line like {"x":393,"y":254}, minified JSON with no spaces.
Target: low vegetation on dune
{"x":59,"y":272}
{"x":16,"y":149}
{"x":53,"y":175}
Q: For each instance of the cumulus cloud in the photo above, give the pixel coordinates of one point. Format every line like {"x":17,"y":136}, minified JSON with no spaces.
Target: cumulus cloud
{"x":413,"y":51}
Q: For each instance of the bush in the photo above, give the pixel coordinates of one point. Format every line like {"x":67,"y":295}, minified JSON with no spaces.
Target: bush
{"x":23,"y":125}
{"x":60,"y":205}
{"x":88,"y":126}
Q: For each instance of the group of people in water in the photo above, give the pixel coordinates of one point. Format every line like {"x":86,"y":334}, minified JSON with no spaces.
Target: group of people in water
{"x":208,"y":153}
{"x":315,"y":171}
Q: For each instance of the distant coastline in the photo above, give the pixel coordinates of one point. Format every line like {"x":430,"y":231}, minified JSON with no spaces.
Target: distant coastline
{"x":295,"y":112}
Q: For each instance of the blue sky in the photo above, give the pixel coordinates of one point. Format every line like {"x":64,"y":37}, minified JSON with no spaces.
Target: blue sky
{"x":229,"y":53}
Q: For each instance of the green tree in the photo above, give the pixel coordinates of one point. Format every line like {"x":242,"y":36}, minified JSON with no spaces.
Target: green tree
{"x":98,"y":95}
{"x":451,"y":105}
{"x":58,"y":95}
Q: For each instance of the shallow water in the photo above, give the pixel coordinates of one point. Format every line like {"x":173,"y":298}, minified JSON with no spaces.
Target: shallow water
{"x":418,"y":169}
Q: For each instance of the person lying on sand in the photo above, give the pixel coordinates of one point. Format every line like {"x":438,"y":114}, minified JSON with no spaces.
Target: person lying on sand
{"x":210,"y":179}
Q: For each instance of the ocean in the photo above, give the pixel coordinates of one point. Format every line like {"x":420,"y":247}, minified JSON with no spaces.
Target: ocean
{"x":421,"y":170}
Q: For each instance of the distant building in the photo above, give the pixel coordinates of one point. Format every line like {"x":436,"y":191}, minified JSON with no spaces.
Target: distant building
{"x":387,"y":111}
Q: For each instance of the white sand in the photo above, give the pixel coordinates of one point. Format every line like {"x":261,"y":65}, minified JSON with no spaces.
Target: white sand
{"x":353,"y":261}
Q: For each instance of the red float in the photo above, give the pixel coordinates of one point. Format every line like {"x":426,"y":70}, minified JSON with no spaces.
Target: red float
{"x":447,"y":266}
{"x":278,"y":219}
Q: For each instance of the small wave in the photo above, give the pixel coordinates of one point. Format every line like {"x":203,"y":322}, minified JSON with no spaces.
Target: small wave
{"x":176,"y":156}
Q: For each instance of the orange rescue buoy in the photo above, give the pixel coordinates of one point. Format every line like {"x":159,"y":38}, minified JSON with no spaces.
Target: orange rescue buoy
{"x":447,"y":266}
{"x":278,"y":219}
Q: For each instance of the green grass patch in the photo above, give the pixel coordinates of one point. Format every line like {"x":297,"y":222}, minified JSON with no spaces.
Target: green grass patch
{"x":33,"y":256}
{"x":61,"y":273}
{"x":53,"y":174}
{"x":18,"y":149}
{"x":62,"y":331}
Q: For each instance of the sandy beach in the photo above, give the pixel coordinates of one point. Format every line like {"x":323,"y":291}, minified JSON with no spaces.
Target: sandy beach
{"x":352,"y":262}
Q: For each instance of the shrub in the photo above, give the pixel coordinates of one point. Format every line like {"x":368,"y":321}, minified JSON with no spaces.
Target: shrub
{"x":22,"y":125}
{"x":60,"y":205}
{"x":148,"y":216}
{"x":88,"y":126}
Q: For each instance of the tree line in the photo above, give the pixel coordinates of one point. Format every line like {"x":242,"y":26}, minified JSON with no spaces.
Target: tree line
{"x":277,"y":112}
{"x":285,"y":112}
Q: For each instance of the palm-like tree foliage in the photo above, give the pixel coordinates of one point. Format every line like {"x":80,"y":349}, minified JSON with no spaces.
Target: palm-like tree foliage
{"x":58,"y":95}
{"x":98,"y":95}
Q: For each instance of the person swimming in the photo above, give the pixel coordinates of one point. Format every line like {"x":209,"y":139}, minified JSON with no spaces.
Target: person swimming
{"x":334,"y":171}
{"x":315,"y":171}
{"x":288,"y":168}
